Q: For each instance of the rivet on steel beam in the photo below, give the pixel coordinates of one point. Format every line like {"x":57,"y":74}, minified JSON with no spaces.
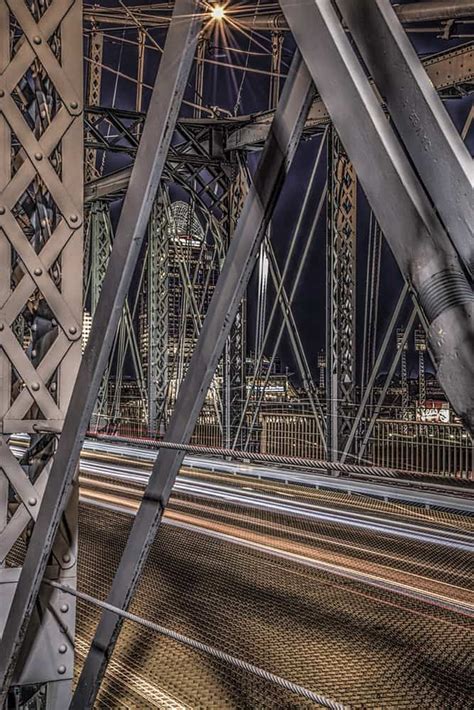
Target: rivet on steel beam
{"x":64,"y":608}
{"x":35,"y":386}
{"x":38,"y":271}
{"x":62,"y":648}
{"x":62,"y":670}
{"x":37,"y":39}
{"x":74,"y":104}
{"x":2,"y":93}
{"x":2,"y":210}
{"x":66,"y":558}
{"x":74,"y":218}
{"x":73,"y":330}
{"x":32,"y":501}
{"x":2,"y":326}
{"x":38,"y":156}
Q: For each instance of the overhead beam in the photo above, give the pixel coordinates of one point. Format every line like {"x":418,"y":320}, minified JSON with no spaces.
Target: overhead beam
{"x":233,"y":280}
{"x":425,"y":254}
{"x":158,"y":130}
{"x":413,"y":13}
{"x":448,"y":71}
{"x":445,"y":70}
{"x":156,"y":15}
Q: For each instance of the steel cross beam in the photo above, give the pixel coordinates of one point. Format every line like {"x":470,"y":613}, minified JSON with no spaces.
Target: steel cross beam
{"x":162,"y":114}
{"x":425,"y":254}
{"x":436,"y":148}
{"x":240,"y":260}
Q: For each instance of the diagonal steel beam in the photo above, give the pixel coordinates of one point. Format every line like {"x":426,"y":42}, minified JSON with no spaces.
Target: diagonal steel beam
{"x":423,"y":250}
{"x":428,"y":133}
{"x":375,"y":371}
{"x":240,"y":260}
{"x":388,"y":380}
{"x":159,"y":125}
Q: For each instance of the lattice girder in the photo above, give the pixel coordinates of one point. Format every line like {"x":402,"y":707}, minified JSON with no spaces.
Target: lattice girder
{"x":41,"y":254}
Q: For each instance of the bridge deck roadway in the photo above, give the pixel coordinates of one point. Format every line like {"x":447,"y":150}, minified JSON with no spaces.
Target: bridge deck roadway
{"x":312,"y":600}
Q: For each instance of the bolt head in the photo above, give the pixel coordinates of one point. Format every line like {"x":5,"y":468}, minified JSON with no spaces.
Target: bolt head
{"x":66,"y":558}
{"x":38,"y":156}
{"x":2,"y":210}
{"x":64,"y":608}
{"x":62,"y":648}
{"x":38,"y":271}
{"x":35,"y":386}
{"x":37,"y":39}
{"x":32,"y":501}
{"x":62,"y":670}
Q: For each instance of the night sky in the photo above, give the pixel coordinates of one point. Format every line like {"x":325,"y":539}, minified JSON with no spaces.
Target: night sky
{"x":244,"y":93}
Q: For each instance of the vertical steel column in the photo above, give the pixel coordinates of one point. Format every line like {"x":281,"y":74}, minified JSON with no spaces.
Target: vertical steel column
{"x":96,"y":48}
{"x":278,"y":153}
{"x":158,"y":129}
{"x":140,"y":69}
{"x":372,"y":283}
{"x":277,"y":47}
{"x":234,"y":366}
{"x":100,"y":244}
{"x":340,"y":310}
{"x":41,"y":254}
{"x":201,"y":52}
{"x":158,"y":318}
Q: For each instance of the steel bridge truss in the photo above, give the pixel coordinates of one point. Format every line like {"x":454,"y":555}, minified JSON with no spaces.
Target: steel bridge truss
{"x":41,"y":285}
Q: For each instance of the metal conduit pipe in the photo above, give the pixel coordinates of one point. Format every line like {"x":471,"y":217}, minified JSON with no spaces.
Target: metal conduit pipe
{"x":435,"y":10}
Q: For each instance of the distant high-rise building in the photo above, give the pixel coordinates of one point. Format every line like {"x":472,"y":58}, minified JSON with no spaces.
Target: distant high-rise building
{"x":86,"y":328}
{"x":192,"y":270}
{"x":322,"y":369}
{"x":421,"y":347}
{"x":403,"y":371}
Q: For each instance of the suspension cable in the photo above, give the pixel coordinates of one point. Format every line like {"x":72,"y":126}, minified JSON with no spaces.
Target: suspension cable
{"x":203,"y":648}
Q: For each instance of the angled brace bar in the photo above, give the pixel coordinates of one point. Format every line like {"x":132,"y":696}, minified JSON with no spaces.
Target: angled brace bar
{"x":278,"y":153}
{"x":388,"y":379}
{"x":435,"y":147}
{"x":375,"y":371}
{"x":158,"y":129}
{"x":425,"y":254}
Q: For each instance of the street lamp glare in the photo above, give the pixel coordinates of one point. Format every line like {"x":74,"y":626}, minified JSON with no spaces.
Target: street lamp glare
{"x":218,"y":12}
